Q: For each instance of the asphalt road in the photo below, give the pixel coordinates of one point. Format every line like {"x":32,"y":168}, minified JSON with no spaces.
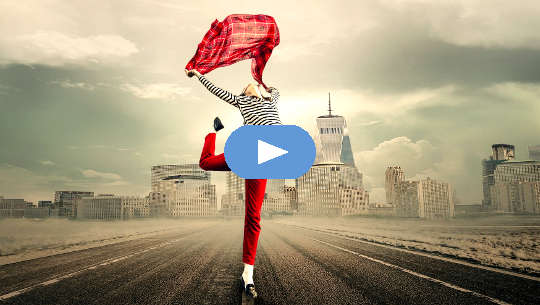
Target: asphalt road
{"x":294,"y":266}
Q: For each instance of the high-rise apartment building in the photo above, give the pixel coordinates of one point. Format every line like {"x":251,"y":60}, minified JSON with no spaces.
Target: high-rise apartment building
{"x":500,"y":153}
{"x":425,"y":198}
{"x":393,"y":175}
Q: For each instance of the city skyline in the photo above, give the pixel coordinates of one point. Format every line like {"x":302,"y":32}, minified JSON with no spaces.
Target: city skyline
{"x":91,"y":107}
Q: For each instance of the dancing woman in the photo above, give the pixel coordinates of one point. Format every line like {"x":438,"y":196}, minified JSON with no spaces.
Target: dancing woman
{"x":257,"y":108}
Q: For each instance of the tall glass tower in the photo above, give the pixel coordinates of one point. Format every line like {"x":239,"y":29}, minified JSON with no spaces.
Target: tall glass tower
{"x":334,"y":145}
{"x":333,"y":185}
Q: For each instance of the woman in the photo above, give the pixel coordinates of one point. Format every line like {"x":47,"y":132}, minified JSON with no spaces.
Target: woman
{"x":257,"y":108}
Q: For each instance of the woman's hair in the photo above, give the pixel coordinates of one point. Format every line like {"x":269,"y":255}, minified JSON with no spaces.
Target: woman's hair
{"x":255,"y":91}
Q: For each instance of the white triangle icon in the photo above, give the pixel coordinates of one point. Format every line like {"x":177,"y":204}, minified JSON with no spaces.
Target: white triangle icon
{"x":266,"y":152}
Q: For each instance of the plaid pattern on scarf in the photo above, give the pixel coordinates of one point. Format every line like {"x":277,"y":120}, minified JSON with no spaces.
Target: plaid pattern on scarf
{"x":236,"y":38}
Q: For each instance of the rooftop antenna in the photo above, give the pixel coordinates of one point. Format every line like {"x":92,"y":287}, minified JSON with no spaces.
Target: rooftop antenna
{"x":329,"y":106}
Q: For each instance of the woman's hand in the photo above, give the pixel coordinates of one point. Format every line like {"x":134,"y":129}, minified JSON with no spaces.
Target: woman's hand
{"x":190,"y":73}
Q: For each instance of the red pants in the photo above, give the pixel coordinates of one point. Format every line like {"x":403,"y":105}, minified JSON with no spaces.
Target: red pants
{"x":255,"y":189}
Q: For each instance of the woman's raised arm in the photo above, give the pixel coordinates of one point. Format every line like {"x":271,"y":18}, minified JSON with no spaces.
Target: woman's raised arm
{"x":222,"y":94}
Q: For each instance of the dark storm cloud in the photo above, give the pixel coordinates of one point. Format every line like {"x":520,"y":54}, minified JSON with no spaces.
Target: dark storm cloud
{"x":388,"y":60}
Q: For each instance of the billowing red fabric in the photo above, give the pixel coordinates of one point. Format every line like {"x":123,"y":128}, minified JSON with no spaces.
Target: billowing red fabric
{"x":236,"y":38}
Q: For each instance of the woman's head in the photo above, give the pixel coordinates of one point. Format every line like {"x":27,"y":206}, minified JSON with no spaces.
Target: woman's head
{"x":255,"y":90}
{"x":251,"y":90}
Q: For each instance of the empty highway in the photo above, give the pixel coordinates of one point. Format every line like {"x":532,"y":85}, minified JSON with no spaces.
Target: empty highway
{"x":295,"y":265}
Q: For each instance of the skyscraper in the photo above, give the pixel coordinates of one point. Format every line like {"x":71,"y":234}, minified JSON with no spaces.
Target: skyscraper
{"x":500,"y":153}
{"x":333,"y":142}
{"x":393,"y":175}
{"x":333,"y":185}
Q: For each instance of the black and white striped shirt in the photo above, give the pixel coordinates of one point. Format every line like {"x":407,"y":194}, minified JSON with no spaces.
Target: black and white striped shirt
{"x":254,"y":110}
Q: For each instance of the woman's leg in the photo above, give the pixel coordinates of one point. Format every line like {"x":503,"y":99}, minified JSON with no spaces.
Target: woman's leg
{"x":209,"y":161}
{"x":255,"y":189}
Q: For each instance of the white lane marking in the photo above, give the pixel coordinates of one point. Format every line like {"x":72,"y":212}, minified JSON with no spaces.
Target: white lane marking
{"x":65,"y":276}
{"x":446,"y":259}
{"x":423,"y":276}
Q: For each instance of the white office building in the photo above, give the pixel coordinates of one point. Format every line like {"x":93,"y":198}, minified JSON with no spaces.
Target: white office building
{"x":426,"y":198}
{"x":331,"y":190}
{"x":182,"y":190}
{"x":111,"y":207}
{"x":516,"y":187}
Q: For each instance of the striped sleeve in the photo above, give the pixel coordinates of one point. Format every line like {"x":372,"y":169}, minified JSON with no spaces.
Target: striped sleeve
{"x":222,"y":94}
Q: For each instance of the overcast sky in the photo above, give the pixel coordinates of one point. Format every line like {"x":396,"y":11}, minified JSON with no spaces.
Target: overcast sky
{"x":93,"y":93}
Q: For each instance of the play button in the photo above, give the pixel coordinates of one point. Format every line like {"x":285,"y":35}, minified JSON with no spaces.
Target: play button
{"x":269,"y":152}
{"x":266,"y":152}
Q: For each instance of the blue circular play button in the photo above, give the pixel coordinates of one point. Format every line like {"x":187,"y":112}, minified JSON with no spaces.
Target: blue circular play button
{"x":269,"y":151}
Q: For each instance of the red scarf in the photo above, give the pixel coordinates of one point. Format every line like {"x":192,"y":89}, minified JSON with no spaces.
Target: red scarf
{"x":236,"y":38}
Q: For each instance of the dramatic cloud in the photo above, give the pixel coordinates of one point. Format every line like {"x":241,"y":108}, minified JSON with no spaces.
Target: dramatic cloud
{"x":427,"y":85}
{"x":417,"y":159}
{"x":161,"y":91}
{"x":55,"y":48}
{"x":19,"y":182}
{"x":47,"y":163}
{"x":485,"y":23}
{"x":90,"y":173}
{"x":52,"y":33}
